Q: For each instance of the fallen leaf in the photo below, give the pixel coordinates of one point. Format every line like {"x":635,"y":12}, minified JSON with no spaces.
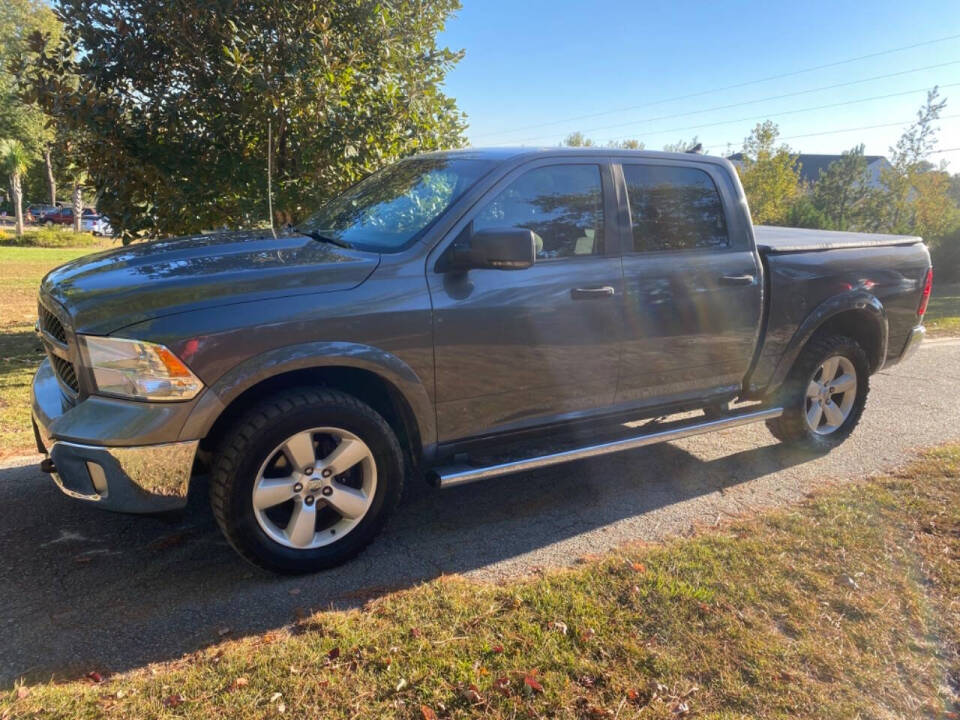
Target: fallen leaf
{"x":502,"y":684}
{"x":497,"y":649}
{"x":281,"y":708}
{"x":558,"y":625}
{"x":428,"y":713}
{"x":639,"y":567}
{"x":22,"y":692}
{"x":472,"y":694}
{"x":276,"y":696}
{"x":401,"y":685}
{"x":531,"y":682}
{"x":173,"y":701}
{"x":681,"y":708}
{"x":415,"y":632}
{"x":94,"y":676}
{"x":587,"y":634}
{"x":334,"y":653}
{"x":240,"y":682}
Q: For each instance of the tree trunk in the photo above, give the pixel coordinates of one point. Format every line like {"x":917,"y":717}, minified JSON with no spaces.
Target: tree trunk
{"x":51,"y":182}
{"x":17,"y":201}
{"x":77,"y":207}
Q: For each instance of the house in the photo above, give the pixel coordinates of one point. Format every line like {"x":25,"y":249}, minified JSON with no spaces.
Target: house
{"x":812,"y":165}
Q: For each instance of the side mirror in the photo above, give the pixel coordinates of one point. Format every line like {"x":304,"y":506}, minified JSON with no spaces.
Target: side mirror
{"x":497,"y":249}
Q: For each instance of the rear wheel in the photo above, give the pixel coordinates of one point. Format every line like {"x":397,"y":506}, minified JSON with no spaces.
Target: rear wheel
{"x":305,"y":480}
{"x":824,"y":394}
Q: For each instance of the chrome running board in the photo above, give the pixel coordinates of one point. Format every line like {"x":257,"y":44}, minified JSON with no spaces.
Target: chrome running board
{"x":454,"y":475}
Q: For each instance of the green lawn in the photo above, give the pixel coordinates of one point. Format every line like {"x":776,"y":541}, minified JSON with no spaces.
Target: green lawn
{"x":943,"y":314}
{"x":21,"y":269}
{"x":843,"y":607}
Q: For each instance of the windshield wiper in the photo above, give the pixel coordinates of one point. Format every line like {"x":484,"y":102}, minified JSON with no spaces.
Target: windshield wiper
{"x":326,"y":238}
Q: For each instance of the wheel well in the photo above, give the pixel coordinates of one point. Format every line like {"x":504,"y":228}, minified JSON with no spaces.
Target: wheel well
{"x":862,"y":327}
{"x":367,"y":386}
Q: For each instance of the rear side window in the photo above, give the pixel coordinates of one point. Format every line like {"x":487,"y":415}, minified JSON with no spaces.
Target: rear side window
{"x":561,"y":204}
{"x":674,"y":208}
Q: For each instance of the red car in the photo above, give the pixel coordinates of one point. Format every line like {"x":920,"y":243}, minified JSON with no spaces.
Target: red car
{"x":63,"y":216}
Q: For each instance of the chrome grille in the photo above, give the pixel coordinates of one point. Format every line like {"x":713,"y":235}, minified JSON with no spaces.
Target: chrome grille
{"x":51,"y":324}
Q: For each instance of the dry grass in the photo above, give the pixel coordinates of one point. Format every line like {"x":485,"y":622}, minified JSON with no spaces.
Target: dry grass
{"x":844,"y":607}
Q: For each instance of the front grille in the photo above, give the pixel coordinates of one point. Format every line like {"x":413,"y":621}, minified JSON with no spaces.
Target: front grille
{"x":65,"y":371}
{"x":49,"y":323}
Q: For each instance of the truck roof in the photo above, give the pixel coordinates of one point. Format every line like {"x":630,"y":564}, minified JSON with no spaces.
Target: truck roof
{"x":516,"y":153}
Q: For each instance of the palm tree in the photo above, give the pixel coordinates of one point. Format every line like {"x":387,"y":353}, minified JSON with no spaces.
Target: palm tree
{"x":15,"y":161}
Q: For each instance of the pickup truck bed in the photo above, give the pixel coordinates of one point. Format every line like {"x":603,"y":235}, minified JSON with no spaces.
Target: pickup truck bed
{"x":772,"y":239}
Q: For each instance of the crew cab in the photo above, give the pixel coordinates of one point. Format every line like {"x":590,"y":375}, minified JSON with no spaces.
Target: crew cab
{"x":456,"y":316}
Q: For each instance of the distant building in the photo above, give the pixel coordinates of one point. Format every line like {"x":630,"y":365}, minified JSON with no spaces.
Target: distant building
{"x":812,"y":165}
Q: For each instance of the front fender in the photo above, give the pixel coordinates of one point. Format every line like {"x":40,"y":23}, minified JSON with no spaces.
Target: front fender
{"x":309,"y":356}
{"x":859,"y":300}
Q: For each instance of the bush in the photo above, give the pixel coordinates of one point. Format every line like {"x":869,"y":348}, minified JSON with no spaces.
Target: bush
{"x":51,"y":238}
{"x":945,"y":252}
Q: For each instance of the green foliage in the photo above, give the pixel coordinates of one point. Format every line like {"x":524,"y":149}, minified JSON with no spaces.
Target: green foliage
{"x":842,"y":193}
{"x":578,"y":139}
{"x":55,"y":237}
{"x":172,"y":101}
{"x":770,"y":175}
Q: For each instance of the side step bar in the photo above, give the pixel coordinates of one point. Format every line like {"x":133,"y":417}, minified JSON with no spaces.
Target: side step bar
{"x":454,"y":475}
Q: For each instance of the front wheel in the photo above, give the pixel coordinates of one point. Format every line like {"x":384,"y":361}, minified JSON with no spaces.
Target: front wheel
{"x":824,"y":394}
{"x":305,"y":480}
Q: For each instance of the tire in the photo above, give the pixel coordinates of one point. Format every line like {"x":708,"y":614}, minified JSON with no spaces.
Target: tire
{"x":258,"y":458}
{"x":795,"y":426}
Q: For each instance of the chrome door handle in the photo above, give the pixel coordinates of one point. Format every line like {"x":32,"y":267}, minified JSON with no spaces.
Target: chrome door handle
{"x":737,"y":279}
{"x":592,"y":293}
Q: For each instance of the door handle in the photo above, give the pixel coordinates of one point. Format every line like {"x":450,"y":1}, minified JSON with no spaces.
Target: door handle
{"x":592,"y":293}
{"x":737,"y":279}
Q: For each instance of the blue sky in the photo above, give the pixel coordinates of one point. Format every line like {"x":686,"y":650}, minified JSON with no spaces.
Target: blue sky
{"x":534,"y":68}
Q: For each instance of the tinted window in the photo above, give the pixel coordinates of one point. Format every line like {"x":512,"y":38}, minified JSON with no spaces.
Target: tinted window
{"x":674,"y":208}
{"x":561,"y":204}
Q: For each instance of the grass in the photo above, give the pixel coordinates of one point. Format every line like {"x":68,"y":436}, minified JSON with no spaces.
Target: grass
{"x":55,"y":237}
{"x":846,"y":606}
{"x":21,"y":269}
{"x":943,"y":313}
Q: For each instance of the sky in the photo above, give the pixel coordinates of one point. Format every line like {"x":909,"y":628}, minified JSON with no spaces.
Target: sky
{"x":536,"y":70}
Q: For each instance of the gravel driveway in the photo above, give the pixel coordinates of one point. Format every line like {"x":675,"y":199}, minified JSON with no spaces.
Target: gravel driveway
{"x":81,"y":589}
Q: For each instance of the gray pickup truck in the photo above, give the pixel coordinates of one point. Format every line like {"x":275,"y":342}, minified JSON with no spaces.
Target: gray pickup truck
{"x":455,"y":316}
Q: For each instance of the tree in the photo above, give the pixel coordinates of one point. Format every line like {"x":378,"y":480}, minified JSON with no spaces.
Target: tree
{"x":577,"y":139}
{"x":19,"y":120}
{"x":15,"y":160}
{"x":173,"y":100}
{"x":842,"y":192}
{"x":682,"y":145}
{"x":895,"y":206}
{"x":770,"y":175}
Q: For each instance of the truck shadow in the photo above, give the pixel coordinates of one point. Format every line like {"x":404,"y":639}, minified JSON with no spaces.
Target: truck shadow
{"x":84,"y":590}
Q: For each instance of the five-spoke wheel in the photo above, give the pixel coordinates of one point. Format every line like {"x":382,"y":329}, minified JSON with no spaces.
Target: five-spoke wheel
{"x":315,"y":487}
{"x":831,"y":393}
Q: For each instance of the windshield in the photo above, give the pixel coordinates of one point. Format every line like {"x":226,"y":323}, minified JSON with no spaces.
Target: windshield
{"x":391,"y":209}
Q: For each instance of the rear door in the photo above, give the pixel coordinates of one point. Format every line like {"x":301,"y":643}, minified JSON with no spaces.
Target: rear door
{"x":515,"y":348}
{"x":692,"y":284}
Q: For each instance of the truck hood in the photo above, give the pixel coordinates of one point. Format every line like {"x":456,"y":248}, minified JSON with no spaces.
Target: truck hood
{"x":110,"y":290}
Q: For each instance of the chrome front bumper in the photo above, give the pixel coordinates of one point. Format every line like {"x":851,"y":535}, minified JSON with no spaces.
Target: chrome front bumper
{"x":134,"y":479}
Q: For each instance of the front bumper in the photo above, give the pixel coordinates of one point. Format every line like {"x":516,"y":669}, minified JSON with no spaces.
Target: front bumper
{"x":134,"y":479}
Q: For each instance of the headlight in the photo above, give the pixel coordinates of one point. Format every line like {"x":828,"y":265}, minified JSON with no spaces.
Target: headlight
{"x":137,"y":369}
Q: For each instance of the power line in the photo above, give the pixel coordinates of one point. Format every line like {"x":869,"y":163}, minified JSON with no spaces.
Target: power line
{"x":851,"y":129}
{"x":701,"y":93}
{"x":792,"y":112}
{"x":759,"y":100}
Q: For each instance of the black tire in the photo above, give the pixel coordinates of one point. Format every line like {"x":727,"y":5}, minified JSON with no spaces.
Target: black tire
{"x":792,"y":427}
{"x":246,"y":447}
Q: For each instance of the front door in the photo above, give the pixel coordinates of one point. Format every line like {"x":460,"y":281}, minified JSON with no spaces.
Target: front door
{"x":515,"y":348}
